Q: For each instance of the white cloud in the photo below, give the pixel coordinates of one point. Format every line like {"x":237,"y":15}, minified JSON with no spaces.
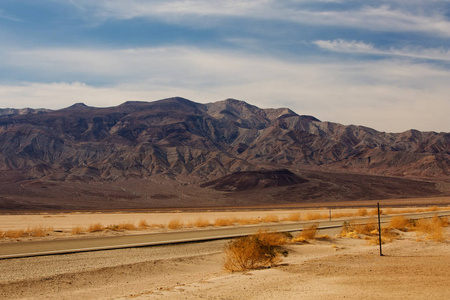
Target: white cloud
{"x":427,"y":19}
{"x":344,"y":46}
{"x":387,"y":95}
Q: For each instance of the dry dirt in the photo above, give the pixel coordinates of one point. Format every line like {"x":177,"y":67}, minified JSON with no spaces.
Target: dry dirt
{"x":336,"y":269}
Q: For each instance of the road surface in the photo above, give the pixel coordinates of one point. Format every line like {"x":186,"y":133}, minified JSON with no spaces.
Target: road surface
{"x":38,"y":248}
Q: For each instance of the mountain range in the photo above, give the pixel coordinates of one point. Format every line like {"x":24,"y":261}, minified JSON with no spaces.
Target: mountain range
{"x":179,"y":141}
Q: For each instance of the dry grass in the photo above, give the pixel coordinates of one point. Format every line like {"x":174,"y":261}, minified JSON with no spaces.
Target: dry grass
{"x":342,"y":215}
{"x":374,"y":212}
{"x":271,"y":219}
{"x":252,"y":252}
{"x":143,"y":224}
{"x":175,"y":224}
{"x":224,"y":222}
{"x":362,"y":212}
{"x":248,"y":221}
{"x":400,"y":223}
{"x":353,"y":230}
{"x":127,"y":226}
{"x":14,"y":234}
{"x":293,"y":217}
{"x":78,"y":230}
{"x":201,"y":222}
{"x":432,"y":228}
{"x":95,"y":227}
{"x":387,"y":235}
{"x":37,"y":231}
{"x":315,"y":216}
{"x":308,"y":233}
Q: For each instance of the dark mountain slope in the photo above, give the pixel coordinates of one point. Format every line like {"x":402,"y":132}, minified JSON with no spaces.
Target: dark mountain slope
{"x":197,"y":142}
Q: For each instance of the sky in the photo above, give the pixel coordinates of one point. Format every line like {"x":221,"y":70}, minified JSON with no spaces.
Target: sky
{"x":381,"y":64}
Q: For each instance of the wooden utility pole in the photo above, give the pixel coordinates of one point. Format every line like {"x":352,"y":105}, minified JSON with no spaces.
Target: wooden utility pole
{"x":379,"y":228}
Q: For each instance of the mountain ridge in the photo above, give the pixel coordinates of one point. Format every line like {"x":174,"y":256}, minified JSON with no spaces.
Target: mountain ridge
{"x":196,"y":142}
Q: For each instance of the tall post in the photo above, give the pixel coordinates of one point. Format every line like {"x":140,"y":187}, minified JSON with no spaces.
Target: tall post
{"x":330,"y":213}
{"x":379,"y":228}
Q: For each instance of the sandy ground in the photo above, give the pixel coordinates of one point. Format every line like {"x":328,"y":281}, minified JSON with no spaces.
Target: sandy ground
{"x":339,"y":268}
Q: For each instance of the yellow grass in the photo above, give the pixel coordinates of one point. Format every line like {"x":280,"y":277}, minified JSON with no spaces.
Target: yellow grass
{"x":307,"y":233}
{"x":315,"y":216}
{"x":293,"y":217}
{"x":143,"y":224}
{"x":127,"y":226}
{"x":36,"y":231}
{"x":432,"y":228}
{"x":400,"y":223}
{"x":374,"y":212}
{"x":337,"y":215}
{"x":271,"y":219}
{"x":362,"y":212}
{"x":251,"y":252}
{"x":95,"y":227}
{"x":78,"y":230}
{"x":248,"y":221}
{"x":175,"y":224}
{"x":14,"y":234}
{"x":201,"y":222}
{"x":224,"y":222}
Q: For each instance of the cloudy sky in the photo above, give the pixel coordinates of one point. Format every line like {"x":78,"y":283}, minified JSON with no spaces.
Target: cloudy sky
{"x":382,"y":64}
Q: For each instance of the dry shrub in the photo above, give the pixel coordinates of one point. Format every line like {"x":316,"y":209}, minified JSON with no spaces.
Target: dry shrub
{"x":157,"y":226}
{"x":293,"y":217}
{"x":432,"y":228}
{"x":14,"y":234}
{"x":127,"y":226}
{"x":400,"y":223}
{"x":315,"y":216}
{"x":366,"y":228}
{"x":271,"y":219}
{"x":201,"y":222}
{"x":248,"y":221}
{"x":1,"y":233}
{"x":78,"y":230}
{"x":389,"y":211}
{"x":95,"y":227}
{"x":143,"y":224}
{"x":323,"y":237}
{"x":342,"y":215}
{"x":37,"y":231}
{"x":252,"y":252}
{"x":224,"y":222}
{"x":362,"y":212}
{"x":433,"y":208}
{"x":175,"y":224}
{"x":272,"y":238}
{"x":307,"y":233}
{"x":352,"y":229}
{"x":374,"y":212}
{"x":387,"y":235}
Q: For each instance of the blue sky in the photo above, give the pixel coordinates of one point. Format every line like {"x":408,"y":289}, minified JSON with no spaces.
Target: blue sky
{"x":382,"y":64}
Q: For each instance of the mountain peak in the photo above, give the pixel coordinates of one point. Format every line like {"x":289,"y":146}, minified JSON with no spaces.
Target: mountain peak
{"x":79,"y":105}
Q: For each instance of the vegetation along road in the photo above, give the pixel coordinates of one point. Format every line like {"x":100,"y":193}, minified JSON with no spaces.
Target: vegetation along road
{"x":37,"y":248}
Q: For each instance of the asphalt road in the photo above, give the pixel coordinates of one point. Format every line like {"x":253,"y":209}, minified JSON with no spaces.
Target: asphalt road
{"x":38,"y":248}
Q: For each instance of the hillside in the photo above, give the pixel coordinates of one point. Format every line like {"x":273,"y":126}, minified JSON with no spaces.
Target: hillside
{"x":191,"y":143}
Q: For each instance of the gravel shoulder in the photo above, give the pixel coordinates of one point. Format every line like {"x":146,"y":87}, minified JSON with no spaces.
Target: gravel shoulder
{"x":337,"y":269}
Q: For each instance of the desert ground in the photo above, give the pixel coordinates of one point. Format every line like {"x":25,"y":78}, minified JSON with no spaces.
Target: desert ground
{"x":412,"y":267}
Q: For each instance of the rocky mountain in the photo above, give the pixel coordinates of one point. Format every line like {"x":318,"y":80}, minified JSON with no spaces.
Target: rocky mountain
{"x":196,"y":142}
{"x":178,"y":153}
